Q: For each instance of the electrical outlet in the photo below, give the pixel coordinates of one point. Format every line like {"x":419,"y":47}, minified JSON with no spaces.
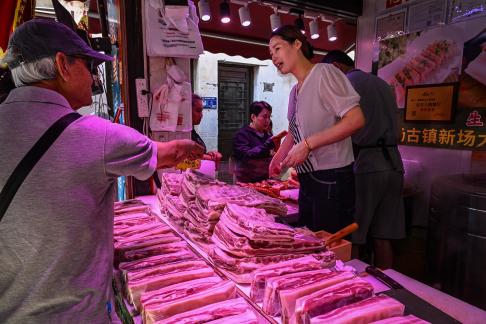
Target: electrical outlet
{"x":142,"y":98}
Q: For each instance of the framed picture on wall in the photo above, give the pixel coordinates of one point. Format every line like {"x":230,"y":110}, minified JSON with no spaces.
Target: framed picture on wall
{"x":431,"y":103}
{"x":426,"y":14}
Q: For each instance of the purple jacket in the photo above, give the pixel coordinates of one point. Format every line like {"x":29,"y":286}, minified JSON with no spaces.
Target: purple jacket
{"x":251,"y":151}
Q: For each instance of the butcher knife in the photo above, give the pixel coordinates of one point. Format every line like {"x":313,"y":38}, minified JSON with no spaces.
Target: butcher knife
{"x":413,"y":304}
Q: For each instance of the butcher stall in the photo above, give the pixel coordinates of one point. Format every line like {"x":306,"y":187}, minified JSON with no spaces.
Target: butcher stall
{"x":205,"y":251}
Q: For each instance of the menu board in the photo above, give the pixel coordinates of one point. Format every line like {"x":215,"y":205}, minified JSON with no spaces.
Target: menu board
{"x":431,"y":103}
{"x":426,"y":14}
{"x":391,"y":24}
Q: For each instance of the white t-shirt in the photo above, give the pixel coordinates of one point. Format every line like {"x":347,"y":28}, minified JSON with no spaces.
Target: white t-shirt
{"x":324,"y":98}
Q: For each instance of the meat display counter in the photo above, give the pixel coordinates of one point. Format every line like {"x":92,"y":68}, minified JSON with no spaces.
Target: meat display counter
{"x":459,"y":310}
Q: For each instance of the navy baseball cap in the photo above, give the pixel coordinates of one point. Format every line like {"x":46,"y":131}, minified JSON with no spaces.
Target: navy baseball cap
{"x":39,"y":38}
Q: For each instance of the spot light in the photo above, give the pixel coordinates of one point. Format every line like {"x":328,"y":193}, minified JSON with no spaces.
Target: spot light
{"x":275,"y":21}
{"x":299,"y":23}
{"x":204,"y":10}
{"x":314,"y":29}
{"x":224,"y":12}
{"x":245,"y":18}
{"x":331,"y":32}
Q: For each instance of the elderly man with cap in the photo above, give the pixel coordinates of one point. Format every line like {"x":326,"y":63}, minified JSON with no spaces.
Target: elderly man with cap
{"x":56,"y":233}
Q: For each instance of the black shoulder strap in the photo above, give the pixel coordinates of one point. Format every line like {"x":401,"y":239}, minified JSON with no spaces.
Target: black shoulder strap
{"x":31,"y":158}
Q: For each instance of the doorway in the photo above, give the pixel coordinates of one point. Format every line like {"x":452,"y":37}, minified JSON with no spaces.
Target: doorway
{"x":234,"y":95}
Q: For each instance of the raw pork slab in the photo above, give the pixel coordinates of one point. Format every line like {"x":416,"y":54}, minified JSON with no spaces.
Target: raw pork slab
{"x":366,"y":311}
{"x":409,"y":319}
{"x":328,"y":299}
{"x":157,"y":277}
{"x":210,"y":312}
{"x":281,"y":292}
{"x":261,"y":275}
{"x":175,"y":301}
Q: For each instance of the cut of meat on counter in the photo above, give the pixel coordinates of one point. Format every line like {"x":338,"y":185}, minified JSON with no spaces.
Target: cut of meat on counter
{"x":409,"y":319}
{"x":156,"y":260}
{"x":261,"y":275}
{"x":203,"y":213}
{"x":171,"y":183}
{"x":127,"y":221}
{"x":157,"y":277}
{"x":148,"y":251}
{"x":328,"y":299}
{"x":131,"y":206}
{"x":271,"y":187}
{"x":282,"y":292}
{"x":366,"y":311}
{"x":247,"y":317}
{"x":172,"y":300}
{"x":243,"y":267}
{"x":248,"y":238}
{"x":237,"y":309}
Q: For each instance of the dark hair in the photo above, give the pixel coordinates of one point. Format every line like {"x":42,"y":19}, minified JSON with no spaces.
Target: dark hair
{"x":195,"y":97}
{"x":338,"y":57}
{"x":290,"y":33}
{"x":256,"y":107}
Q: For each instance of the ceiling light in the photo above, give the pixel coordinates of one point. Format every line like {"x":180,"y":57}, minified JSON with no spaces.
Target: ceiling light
{"x":224,"y":12}
{"x":331,"y":32}
{"x":244,"y":13}
{"x":299,"y":23}
{"x":314,"y":29}
{"x":204,"y":10}
{"x":275,"y":21}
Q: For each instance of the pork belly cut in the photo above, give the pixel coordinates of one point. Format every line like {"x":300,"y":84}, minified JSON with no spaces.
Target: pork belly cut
{"x":210,"y":197}
{"x":143,"y":232}
{"x":156,"y":260}
{"x":281,"y":292}
{"x":249,"y":264}
{"x":247,"y":317}
{"x":173,"y":300}
{"x":174,"y":208}
{"x":138,"y":243}
{"x":261,"y":275}
{"x":409,"y":319}
{"x":240,"y":245}
{"x":195,"y":233}
{"x":171,"y":183}
{"x":365,"y":311}
{"x":122,"y":210}
{"x":256,"y":224}
{"x":211,"y":312}
{"x":148,"y":279}
{"x":151,"y":250}
{"x":328,"y":299}
{"x":126,"y":231}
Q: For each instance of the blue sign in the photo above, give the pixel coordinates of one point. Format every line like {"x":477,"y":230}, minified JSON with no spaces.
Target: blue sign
{"x":210,"y":102}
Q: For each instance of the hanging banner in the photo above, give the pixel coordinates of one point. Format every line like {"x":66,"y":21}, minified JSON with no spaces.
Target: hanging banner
{"x":467,"y":133}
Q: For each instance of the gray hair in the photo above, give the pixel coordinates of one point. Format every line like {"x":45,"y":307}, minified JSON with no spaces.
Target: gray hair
{"x":31,"y":72}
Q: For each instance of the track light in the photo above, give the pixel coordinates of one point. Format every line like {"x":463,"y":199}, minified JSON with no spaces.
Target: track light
{"x":275,"y":21}
{"x":314,"y":29}
{"x":224,"y":12}
{"x":299,"y":23}
{"x":244,"y":13}
{"x":331,"y":32}
{"x":204,"y":10}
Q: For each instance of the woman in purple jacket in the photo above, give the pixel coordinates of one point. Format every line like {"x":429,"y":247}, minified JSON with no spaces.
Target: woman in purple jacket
{"x":253,"y":145}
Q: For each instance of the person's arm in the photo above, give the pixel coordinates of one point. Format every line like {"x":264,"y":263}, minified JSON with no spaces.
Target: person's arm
{"x":171,"y":153}
{"x":243,"y":149}
{"x":351,"y":122}
{"x":213,"y":156}
{"x":274,"y":168}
